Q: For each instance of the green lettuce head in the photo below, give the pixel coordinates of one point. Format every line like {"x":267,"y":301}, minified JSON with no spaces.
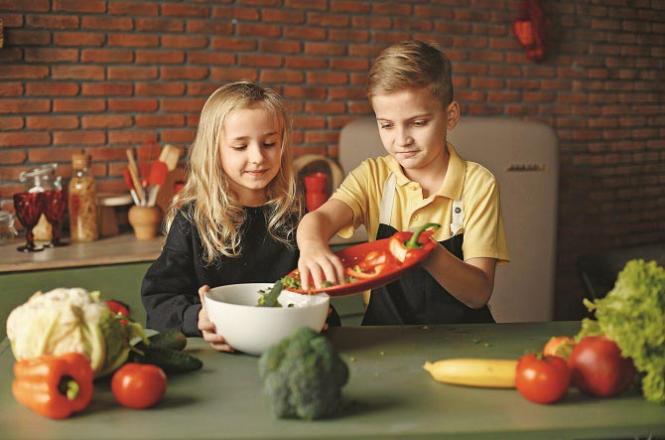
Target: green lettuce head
{"x":633,"y":315}
{"x":71,"y":320}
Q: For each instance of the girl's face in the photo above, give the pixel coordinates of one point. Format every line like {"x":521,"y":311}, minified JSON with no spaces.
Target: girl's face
{"x":251,"y":152}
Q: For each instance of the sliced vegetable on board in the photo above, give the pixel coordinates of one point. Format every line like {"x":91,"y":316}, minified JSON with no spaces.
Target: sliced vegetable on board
{"x":373,"y":264}
{"x":54,"y":386}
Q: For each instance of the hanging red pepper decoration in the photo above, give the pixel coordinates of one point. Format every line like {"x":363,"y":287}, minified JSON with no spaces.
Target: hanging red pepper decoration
{"x":530,"y":29}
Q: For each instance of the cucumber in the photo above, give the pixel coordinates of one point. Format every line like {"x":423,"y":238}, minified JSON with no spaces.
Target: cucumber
{"x":171,"y":361}
{"x":172,"y":338}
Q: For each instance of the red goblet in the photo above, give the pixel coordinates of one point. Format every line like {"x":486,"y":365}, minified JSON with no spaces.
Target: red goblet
{"x":29,"y":206}
{"x":55,"y":204}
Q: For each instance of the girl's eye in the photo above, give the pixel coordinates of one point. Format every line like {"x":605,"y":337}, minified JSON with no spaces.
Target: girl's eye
{"x":239,"y":147}
{"x":269,"y":144}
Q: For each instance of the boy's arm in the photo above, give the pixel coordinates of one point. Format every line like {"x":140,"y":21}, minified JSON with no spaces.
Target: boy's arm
{"x":470,"y":281}
{"x":314,"y":232}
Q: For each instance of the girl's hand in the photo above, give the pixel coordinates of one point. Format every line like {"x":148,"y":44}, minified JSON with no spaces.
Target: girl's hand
{"x":208,"y":328}
{"x":321,"y":264}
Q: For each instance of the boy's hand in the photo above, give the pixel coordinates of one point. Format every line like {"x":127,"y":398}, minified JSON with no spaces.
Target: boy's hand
{"x":208,"y":328}
{"x":321,"y":264}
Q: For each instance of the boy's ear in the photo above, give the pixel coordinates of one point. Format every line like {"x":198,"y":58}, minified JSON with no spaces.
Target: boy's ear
{"x":452,"y":114}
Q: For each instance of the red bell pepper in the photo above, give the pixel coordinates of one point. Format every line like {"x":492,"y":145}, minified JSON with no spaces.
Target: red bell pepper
{"x":360,"y":274}
{"x":118,"y":308}
{"x":54,"y":386}
{"x":402,"y":249}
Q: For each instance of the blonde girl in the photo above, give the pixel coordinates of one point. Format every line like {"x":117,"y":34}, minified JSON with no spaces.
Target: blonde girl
{"x":234,"y":220}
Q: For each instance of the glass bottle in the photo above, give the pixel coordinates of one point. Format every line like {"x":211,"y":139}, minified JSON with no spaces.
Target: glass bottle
{"x":82,"y":201}
{"x":41,"y":179}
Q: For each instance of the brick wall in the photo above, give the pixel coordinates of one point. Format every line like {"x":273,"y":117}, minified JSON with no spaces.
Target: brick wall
{"x":104,"y":75}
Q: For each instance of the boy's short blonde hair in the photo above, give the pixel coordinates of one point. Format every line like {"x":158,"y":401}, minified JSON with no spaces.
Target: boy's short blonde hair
{"x":412,"y":64}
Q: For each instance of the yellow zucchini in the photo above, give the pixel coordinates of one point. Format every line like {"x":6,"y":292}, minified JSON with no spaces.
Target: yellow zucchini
{"x":490,"y":373}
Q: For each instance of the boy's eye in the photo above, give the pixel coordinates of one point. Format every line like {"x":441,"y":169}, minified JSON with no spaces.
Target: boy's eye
{"x":419,"y":123}
{"x":386,"y":126}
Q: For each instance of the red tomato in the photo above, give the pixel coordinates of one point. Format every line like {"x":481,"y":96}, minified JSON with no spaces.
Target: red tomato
{"x":560,"y":346}
{"x":138,"y":385}
{"x":598,"y":368}
{"x":542,"y":380}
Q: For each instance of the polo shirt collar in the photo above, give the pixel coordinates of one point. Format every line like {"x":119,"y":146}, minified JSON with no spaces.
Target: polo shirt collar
{"x":454,"y":180}
{"x":452,"y":183}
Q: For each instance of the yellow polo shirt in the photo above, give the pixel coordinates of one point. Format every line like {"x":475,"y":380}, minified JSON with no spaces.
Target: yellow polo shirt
{"x":469,"y":182}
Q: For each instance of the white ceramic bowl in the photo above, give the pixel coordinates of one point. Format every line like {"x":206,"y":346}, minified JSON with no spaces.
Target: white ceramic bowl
{"x":252,"y":329}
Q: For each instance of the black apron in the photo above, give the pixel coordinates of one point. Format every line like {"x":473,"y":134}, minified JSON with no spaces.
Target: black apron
{"x":417,"y":298}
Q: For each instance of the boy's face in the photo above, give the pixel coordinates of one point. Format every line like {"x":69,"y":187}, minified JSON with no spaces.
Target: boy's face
{"x":413,"y":126}
{"x":251,"y":152}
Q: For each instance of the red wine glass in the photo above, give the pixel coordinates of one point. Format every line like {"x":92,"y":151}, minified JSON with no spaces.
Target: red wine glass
{"x":29,"y":206}
{"x":55,"y":204}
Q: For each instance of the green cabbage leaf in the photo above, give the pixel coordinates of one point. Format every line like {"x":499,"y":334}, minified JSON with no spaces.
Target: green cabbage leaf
{"x":633,"y":315}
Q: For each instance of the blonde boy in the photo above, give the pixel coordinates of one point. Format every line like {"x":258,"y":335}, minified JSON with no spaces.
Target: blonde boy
{"x":422,"y":180}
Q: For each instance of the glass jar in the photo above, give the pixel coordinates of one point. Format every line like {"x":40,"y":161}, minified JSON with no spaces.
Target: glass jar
{"x":82,"y":201}
{"x":7,"y":230}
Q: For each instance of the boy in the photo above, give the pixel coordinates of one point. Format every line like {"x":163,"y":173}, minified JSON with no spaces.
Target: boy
{"x":422,"y":180}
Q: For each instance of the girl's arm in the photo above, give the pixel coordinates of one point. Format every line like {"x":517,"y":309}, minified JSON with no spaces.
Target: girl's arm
{"x":314,"y":232}
{"x":169,"y":291}
{"x":470,"y":281}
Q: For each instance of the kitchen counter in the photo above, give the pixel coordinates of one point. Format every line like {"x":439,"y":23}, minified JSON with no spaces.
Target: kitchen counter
{"x":389,"y":396}
{"x":114,"y":250}
{"x":120,"y":249}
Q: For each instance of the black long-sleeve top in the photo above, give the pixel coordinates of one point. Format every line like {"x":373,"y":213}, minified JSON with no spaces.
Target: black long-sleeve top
{"x":170,"y":287}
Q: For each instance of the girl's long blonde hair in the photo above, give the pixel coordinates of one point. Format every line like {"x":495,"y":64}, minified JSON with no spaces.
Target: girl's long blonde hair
{"x":216,"y":212}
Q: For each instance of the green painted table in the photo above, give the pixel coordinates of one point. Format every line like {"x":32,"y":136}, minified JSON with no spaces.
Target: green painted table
{"x":391,"y":395}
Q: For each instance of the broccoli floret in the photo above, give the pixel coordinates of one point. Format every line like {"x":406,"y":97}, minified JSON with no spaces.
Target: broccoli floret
{"x":268,"y":298}
{"x":303,"y":376}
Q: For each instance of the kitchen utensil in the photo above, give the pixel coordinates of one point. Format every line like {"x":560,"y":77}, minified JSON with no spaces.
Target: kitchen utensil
{"x":353,"y":255}
{"x":170,"y":156}
{"x":134,"y":173}
{"x":130,"y":186}
{"x":148,"y":152}
{"x":250,"y":329}
{"x":156,"y":179}
{"x":144,"y":172}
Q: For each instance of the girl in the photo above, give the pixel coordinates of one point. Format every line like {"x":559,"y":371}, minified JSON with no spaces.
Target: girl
{"x":234,"y":220}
